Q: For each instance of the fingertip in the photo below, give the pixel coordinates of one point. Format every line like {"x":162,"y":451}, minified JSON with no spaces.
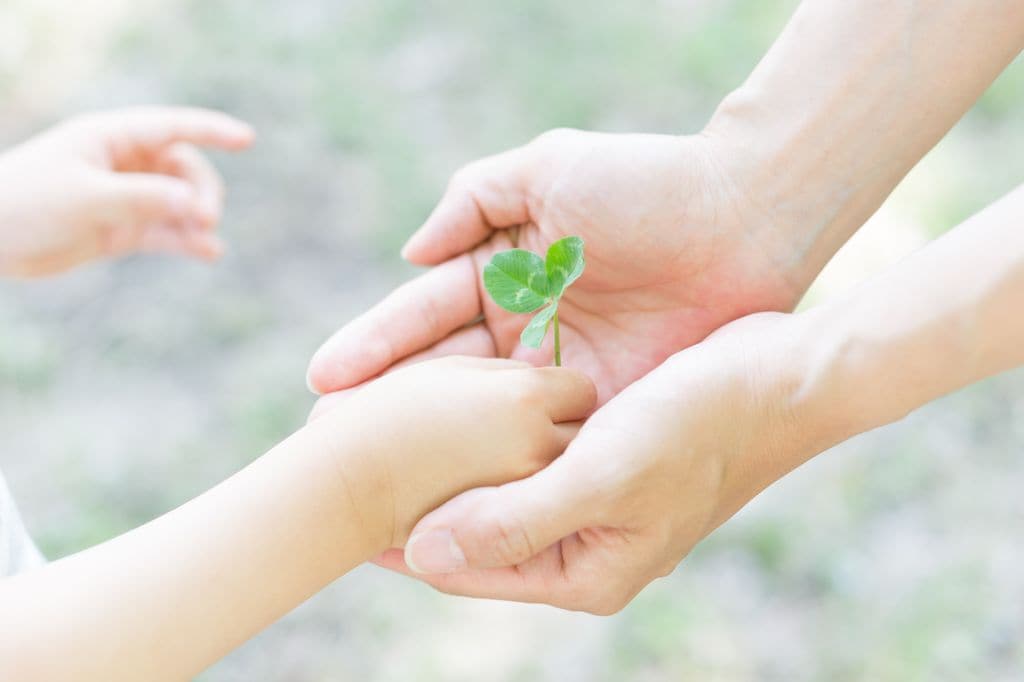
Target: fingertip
{"x":226,"y":131}
{"x":207,"y":214}
{"x":409,"y":250}
{"x":316,"y":374}
{"x":392,"y":559}
{"x":242,"y":135}
{"x":310,"y":385}
{"x":419,"y":249}
{"x":571,"y":394}
{"x":331,"y":368}
{"x":211,"y":249}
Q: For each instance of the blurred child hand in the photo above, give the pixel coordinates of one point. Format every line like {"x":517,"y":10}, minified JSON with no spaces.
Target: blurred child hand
{"x":432,"y":430}
{"x":112,"y":183}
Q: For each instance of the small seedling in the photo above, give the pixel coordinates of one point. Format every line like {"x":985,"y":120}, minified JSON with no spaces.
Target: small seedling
{"x":521,"y":282}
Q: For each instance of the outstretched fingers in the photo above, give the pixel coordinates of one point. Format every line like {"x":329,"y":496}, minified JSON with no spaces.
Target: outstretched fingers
{"x":156,"y":213}
{"x":186,"y":162}
{"x":151,"y":129}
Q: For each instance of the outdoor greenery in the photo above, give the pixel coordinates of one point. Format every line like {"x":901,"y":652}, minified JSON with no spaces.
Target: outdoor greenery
{"x":126,"y":388}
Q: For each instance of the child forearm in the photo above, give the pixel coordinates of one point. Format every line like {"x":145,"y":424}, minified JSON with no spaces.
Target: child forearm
{"x":945,"y":317}
{"x":166,"y":600}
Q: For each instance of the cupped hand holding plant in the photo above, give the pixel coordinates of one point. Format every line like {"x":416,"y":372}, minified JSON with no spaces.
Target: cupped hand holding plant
{"x":666,"y":262}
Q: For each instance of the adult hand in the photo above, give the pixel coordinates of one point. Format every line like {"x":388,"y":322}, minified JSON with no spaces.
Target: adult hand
{"x":111,"y":183}
{"x":650,"y":474}
{"x":678,"y":452}
{"x":673,"y":249}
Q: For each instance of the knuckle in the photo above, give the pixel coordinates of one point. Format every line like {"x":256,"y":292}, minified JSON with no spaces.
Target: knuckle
{"x":463,"y":177}
{"x":511,"y":542}
{"x":430,"y":315}
{"x":527,"y":392}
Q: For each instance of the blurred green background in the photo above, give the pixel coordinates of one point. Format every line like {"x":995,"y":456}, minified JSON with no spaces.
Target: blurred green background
{"x":126,"y":388}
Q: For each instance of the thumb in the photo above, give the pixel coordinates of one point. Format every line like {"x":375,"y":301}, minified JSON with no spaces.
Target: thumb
{"x":503,"y":526}
{"x":485,"y":195}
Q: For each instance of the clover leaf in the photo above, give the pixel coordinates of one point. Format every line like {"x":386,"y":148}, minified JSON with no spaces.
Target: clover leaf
{"x":521,"y":282}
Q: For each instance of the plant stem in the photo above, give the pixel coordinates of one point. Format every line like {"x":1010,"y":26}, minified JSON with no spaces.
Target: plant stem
{"x":558,"y":345}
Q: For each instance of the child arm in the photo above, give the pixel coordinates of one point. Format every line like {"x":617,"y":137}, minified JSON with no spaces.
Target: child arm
{"x":165,"y":600}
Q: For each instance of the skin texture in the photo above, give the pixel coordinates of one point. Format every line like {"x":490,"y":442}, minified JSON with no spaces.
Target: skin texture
{"x":108,"y":184}
{"x":677,"y":453}
{"x":670,"y":283}
{"x":166,"y":600}
{"x":683,"y":235}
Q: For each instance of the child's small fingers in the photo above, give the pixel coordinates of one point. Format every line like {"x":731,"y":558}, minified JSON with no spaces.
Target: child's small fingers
{"x":153,"y":128}
{"x":186,"y":162}
{"x":569,"y":394}
{"x":135,"y":200}
{"x":193,"y":242}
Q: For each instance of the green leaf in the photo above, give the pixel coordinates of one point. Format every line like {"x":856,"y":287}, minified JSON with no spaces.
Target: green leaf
{"x":564,"y":264}
{"x":534,"y":333}
{"x":517,"y":280}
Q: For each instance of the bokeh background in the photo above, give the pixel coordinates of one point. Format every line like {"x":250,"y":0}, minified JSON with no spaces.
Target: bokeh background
{"x":126,"y":388}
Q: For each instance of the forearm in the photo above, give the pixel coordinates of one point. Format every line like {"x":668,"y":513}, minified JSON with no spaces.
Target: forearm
{"x":850,"y":97}
{"x":168,"y":599}
{"x":945,"y":317}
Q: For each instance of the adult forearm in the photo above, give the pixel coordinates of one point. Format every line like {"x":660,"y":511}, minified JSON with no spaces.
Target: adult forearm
{"x":850,"y":97}
{"x":945,"y":317}
{"x":169,"y":598}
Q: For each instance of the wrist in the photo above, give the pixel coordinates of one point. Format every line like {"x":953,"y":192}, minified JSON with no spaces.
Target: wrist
{"x":859,"y":372}
{"x":806,"y":193}
{"x":362,"y":493}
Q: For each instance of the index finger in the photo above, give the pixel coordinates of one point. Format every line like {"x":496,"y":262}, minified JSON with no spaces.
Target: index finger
{"x":153,"y":128}
{"x":415,"y":316}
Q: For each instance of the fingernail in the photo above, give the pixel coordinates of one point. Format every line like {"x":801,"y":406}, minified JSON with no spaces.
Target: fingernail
{"x":405,"y":251}
{"x":434,"y":551}
{"x":309,"y":377}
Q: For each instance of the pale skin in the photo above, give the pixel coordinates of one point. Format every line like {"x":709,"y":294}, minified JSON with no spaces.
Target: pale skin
{"x":112,"y":183}
{"x":684,"y":234}
{"x":164,"y":601}
{"x":167,"y":599}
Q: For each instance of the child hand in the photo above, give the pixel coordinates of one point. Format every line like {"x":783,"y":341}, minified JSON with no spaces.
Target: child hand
{"x":432,"y":430}
{"x":112,"y":183}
